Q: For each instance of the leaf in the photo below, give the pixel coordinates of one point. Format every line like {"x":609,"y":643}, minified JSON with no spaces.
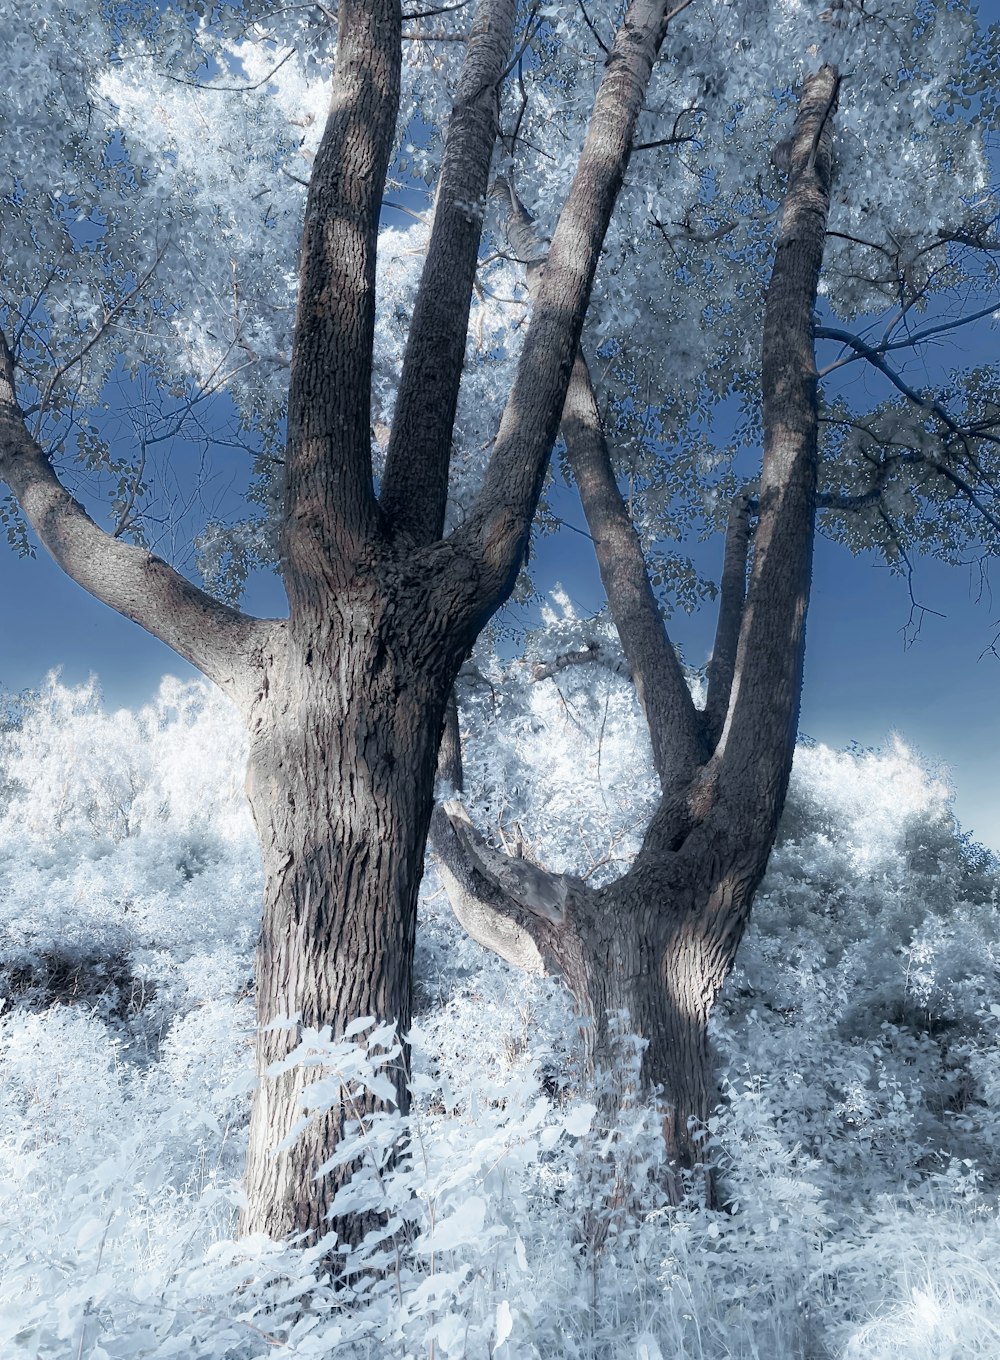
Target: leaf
{"x":505,"y":1323}
{"x":464,"y":1225}
{"x":578,"y":1121}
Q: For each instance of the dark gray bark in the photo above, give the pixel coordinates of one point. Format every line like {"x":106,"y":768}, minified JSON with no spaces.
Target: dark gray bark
{"x":659,"y":942}
{"x":662,"y":691}
{"x":345,"y":699}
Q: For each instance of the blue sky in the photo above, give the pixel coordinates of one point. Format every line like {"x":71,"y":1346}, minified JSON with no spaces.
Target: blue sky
{"x":862,"y":681}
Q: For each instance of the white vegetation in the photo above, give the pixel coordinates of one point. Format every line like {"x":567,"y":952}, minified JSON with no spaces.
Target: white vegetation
{"x":860,"y":1039}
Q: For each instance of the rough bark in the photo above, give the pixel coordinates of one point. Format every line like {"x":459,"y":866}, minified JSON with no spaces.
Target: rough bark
{"x":340,"y":781}
{"x":331,"y":523}
{"x":345,"y":699}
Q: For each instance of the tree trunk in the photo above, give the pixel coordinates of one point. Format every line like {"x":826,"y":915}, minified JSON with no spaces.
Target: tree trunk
{"x":652,"y":950}
{"x":647,"y":960}
{"x":340,"y":781}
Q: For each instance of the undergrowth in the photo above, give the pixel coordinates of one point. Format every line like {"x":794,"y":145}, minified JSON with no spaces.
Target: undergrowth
{"x":858,"y":1047}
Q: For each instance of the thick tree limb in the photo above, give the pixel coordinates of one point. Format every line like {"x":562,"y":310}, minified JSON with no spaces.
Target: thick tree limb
{"x":331,"y":517}
{"x":415,"y":482}
{"x":496,"y":533}
{"x":656,"y":672}
{"x":758,"y":740}
{"x":536,"y":890}
{"x":136,"y":583}
{"x":659,"y":680}
{"x":732,"y":597}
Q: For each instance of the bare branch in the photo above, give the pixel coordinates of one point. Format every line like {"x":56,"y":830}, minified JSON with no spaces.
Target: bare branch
{"x":590,"y":24}
{"x":480,"y":904}
{"x":415,"y":481}
{"x":410,"y":16}
{"x":722,"y":666}
{"x":106,"y":324}
{"x":216,"y":639}
{"x":330,"y":514}
{"x":873,"y":354}
{"x":233,"y":89}
{"x":496,"y":532}
{"x":592,"y":654}
{"x":755,"y":749}
{"x":536,"y":890}
{"x":659,"y":679}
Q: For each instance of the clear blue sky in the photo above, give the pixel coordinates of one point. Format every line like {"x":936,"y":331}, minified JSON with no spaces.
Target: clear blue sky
{"x":862,"y":681}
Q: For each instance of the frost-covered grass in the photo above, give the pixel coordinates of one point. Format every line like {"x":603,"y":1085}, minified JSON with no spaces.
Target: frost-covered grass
{"x":859,"y":1041}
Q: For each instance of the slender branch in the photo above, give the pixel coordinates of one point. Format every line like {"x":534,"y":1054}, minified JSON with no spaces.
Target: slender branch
{"x":939,"y":329}
{"x":415,"y":481}
{"x":874,"y":356}
{"x":234,"y":89}
{"x":126,"y":514}
{"x":105,"y":325}
{"x":590,"y":24}
{"x":967,"y":491}
{"x":136,"y":583}
{"x":533,"y":25}
{"x":722,"y":667}
{"x":410,"y":16}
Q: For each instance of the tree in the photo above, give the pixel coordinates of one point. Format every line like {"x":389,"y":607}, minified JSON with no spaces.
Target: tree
{"x":152,"y":212}
{"x":345,"y":698}
{"x":657,"y":943}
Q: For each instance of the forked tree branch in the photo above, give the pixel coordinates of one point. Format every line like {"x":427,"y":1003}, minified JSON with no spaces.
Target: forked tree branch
{"x":330,"y":516}
{"x":874,"y":355}
{"x":495,"y":535}
{"x":415,"y":482}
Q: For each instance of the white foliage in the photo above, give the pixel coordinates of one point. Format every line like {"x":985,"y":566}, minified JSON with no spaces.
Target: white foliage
{"x":859,"y":1034}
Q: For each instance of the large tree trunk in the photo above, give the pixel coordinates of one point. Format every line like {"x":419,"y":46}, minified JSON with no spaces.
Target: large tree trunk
{"x":341,"y":773}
